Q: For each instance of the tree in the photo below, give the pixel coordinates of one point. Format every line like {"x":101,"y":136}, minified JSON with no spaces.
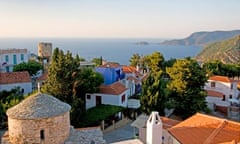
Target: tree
{"x":219,"y":68}
{"x":154,"y":94}
{"x":69,"y":83}
{"x":97,"y":61}
{"x":86,"y":81}
{"x":154,"y":61}
{"x":7,"y":100}
{"x":78,"y":58}
{"x":32,"y":67}
{"x":59,"y":82}
{"x":135,"y":59}
{"x":187,"y":80}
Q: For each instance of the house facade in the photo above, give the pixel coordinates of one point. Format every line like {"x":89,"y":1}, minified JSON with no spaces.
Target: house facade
{"x":12,"y":80}
{"x":114,"y":94}
{"x":223,"y":96}
{"x":111,"y":72}
{"x":224,"y":85}
{"x":11,"y":57}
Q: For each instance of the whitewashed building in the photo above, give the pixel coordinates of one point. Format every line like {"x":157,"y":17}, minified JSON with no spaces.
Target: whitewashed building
{"x":11,"y":57}
{"x":223,"y":96}
{"x":12,"y":80}
{"x":224,"y":85}
{"x":114,"y":94}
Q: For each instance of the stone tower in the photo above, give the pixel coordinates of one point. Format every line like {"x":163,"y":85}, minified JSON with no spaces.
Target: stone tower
{"x":40,"y":118}
{"x":154,"y":129}
{"x":45,"y":51}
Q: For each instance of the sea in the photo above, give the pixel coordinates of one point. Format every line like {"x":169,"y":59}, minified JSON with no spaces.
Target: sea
{"x":111,"y":49}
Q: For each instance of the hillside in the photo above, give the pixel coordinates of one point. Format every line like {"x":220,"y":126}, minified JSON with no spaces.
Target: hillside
{"x":227,"y":51}
{"x":203,"y":38}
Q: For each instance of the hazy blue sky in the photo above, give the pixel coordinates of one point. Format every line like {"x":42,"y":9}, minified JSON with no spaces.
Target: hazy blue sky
{"x":116,"y":18}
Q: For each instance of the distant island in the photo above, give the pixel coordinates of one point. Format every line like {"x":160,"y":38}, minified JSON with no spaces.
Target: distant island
{"x":203,"y":38}
{"x":142,"y":43}
{"x":226,"y":51}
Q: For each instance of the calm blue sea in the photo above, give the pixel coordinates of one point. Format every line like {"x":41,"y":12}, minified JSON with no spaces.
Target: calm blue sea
{"x":117,"y":50}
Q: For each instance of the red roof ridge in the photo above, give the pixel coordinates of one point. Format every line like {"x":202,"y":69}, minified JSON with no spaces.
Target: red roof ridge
{"x":221,"y":78}
{"x":215,"y":132}
{"x":206,"y":129}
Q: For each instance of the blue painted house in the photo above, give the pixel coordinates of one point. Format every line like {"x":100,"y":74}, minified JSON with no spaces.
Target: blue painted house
{"x":111,"y":72}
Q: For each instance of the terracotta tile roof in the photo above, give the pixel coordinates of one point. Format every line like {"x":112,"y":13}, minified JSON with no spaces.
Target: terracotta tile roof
{"x":214,"y":93}
{"x":7,"y":51}
{"x":113,"y":89}
{"x":110,"y":64}
{"x":168,"y":123}
{"x":129,"y":69}
{"x":43,"y":77}
{"x":222,"y":79}
{"x":14,"y":77}
{"x":201,"y":128}
{"x":131,"y":78}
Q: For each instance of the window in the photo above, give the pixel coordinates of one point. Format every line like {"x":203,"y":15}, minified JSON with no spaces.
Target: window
{"x":213,"y":84}
{"x":88,"y":97}
{"x":231,"y":86}
{"x":7,"y":69}
{"x":6,"y":58}
{"x":22,"y":57}
{"x":223,"y":99}
{"x":230,"y":96}
{"x":14,"y":59}
{"x":123,"y":98}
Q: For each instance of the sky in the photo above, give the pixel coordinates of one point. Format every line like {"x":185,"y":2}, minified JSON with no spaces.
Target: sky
{"x":116,"y":18}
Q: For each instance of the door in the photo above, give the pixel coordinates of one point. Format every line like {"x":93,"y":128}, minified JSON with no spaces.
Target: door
{"x":98,"y":100}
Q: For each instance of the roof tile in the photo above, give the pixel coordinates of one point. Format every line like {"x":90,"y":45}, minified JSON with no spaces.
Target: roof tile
{"x":222,"y":79}
{"x":14,"y":77}
{"x":114,"y":89}
{"x":214,"y":93}
{"x":202,"y":128}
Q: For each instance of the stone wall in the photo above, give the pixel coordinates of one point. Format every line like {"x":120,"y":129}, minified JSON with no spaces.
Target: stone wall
{"x":56,"y":130}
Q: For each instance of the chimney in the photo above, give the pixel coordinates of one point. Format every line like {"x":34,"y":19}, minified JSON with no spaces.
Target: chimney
{"x":154,"y":129}
{"x":39,"y":87}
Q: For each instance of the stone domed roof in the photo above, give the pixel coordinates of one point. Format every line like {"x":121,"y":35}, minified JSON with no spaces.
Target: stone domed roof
{"x":38,"y":106}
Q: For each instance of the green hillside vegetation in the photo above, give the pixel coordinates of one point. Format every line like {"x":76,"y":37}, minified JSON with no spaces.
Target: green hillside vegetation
{"x":203,"y":38}
{"x":226,"y":51}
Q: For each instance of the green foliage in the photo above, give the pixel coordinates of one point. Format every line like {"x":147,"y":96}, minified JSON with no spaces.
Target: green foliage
{"x":97,"y":61}
{"x":135,"y":59}
{"x":69,"y":83}
{"x":186,"y":87}
{"x":154,"y":61}
{"x":32,"y":67}
{"x":7,"y":100}
{"x":219,"y":68}
{"x":79,"y":59}
{"x":95,"y":115}
{"x":154,"y":94}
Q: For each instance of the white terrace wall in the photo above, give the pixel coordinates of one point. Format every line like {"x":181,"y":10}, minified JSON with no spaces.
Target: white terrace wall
{"x":106,"y":99}
{"x":26,"y":86}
